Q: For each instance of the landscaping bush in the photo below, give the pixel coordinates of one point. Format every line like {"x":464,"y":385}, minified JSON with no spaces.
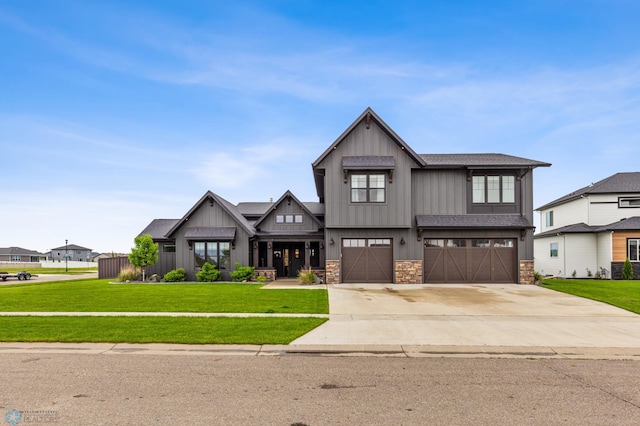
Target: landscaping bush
{"x":208,"y":274}
{"x":261,"y":279}
{"x":627,"y":270}
{"x":177,"y":275}
{"x":305,"y":276}
{"x":127,"y":274}
{"x":242,"y":273}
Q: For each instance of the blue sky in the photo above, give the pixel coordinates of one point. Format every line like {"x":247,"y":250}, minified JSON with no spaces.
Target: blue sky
{"x":116,"y":113}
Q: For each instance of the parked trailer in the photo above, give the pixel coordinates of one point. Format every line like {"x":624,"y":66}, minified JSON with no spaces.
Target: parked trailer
{"x":22,"y":275}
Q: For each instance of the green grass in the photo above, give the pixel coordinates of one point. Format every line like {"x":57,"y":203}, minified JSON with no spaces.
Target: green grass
{"x":99,"y":296}
{"x":95,"y":295}
{"x":623,"y":294}
{"x":156,"y":329}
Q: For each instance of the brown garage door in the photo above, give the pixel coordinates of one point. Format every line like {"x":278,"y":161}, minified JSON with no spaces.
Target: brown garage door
{"x":367,"y":260}
{"x":470,"y":260}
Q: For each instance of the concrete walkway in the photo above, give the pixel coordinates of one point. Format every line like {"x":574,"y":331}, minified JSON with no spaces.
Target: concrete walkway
{"x":471,"y":316}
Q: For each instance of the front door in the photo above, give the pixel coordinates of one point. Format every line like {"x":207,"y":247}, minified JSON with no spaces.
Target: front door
{"x":288,"y":259}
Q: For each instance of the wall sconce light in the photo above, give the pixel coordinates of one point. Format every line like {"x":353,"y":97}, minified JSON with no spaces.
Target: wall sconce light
{"x":402,"y":241}
{"x":322,"y":246}
{"x":255,"y":245}
{"x":331,"y":241}
{"x":268,"y":245}
{"x":306,"y":245}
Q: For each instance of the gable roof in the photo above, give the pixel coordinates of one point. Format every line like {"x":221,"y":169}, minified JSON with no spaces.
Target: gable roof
{"x":620,"y":183}
{"x":159,"y":228}
{"x":287,"y":195}
{"x":232,"y":210}
{"x":369,"y":115}
{"x":479,"y":161}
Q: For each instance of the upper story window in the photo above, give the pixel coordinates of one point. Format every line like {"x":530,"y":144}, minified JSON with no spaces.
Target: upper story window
{"x":494,"y":189}
{"x":368,"y":188}
{"x":548,"y":216}
{"x":629,"y":202}
{"x":288,"y":218}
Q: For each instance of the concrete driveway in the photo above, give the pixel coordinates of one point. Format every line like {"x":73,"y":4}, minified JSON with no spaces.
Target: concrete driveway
{"x":470,"y":315}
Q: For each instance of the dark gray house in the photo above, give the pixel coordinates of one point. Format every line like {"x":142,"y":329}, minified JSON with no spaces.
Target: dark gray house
{"x":385,"y":214}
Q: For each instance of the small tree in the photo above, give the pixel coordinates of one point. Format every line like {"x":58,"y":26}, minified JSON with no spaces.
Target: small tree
{"x":145,"y":252}
{"x":627,"y":270}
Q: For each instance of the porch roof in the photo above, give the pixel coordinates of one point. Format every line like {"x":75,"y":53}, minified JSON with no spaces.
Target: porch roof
{"x":210,"y":233}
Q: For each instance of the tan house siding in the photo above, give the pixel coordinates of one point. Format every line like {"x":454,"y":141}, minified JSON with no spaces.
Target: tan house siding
{"x":619,"y":244}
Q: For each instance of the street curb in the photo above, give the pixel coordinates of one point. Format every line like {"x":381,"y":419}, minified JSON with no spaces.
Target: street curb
{"x":391,"y":351}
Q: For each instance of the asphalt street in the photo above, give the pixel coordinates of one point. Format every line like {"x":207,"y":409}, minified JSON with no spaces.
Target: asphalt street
{"x":314,"y":390}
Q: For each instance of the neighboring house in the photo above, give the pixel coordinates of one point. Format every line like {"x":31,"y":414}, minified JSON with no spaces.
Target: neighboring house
{"x":592,"y":230}
{"x":71,"y":252}
{"x":19,"y":254}
{"x":384,"y":214}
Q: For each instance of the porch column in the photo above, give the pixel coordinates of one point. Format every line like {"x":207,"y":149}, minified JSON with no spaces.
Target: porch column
{"x":270,"y":254}
{"x":307,"y":253}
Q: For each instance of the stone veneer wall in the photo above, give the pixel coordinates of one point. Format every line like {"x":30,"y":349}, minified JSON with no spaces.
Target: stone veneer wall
{"x":527,"y":271}
{"x":616,"y":270}
{"x":269,"y":273}
{"x":408,"y":271}
{"x":332,"y":272}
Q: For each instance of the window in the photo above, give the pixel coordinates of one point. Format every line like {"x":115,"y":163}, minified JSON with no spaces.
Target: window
{"x":288,"y":218}
{"x":352,"y":242}
{"x":633,"y":249}
{"x":379,"y":242}
{"x":629,"y":202}
{"x":434,"y":243}
{"x":493,"y":189}
{"x":213,"y":252}
{"x":553,"y":249}
{"x":503,"y":243}
{"x":15,"y":258}
{"x":456,"y":243}
{"x":169,"y":248}
{"x":368,"y":188}
{"x":549,"y":218}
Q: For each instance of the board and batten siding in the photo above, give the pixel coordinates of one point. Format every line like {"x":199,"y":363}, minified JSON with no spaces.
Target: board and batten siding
{"x":270,"y":225}
{"x":340,"y":211}
{"x":439,"y":192}
{"x":210,"y":216}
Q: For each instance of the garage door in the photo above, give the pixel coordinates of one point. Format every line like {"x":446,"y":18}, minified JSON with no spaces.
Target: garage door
{"x":470,"y":260}
{"x":367,"y":260}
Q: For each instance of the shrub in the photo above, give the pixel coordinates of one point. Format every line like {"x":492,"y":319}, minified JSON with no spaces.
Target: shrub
{"x":537,"y":277}
{"x":127,"y":274}
{"x":627,"y":270}
{"x":242,"y":273}
{"x":177,"y":275}
{"x":305,"y":276}
{"x":208,"y":274}
{"x":261,"y":279}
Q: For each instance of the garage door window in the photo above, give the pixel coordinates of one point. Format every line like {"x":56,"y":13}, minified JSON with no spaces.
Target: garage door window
{"x":481,"y":243}
{"x":353,"y":242}
{"x":456,"y":243}
{"x":503,"y":243}
{"x":380,"y":242}
{"x":434,"y":243}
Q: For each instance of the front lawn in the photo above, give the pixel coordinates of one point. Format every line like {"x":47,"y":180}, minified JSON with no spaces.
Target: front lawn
{"x":99,"y":296}
{"x":623,"y":294}
{"x":255,"y":331}
{"x":95,"y":295}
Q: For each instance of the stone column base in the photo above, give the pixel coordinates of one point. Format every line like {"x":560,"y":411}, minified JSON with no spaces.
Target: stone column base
{"x":527,"y":271}
{"x":332,"y":272}
{"x":408,"y":271}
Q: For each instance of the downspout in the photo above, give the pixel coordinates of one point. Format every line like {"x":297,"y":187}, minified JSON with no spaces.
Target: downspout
{"x":564,"y":254}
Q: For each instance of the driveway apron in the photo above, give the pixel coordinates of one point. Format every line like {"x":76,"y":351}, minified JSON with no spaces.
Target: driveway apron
{"x":470,"y":315}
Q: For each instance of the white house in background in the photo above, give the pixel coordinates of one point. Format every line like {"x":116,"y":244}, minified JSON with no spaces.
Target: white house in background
{"x":592,"y":230}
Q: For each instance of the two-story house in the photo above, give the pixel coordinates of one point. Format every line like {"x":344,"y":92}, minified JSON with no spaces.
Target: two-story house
{"x":71,"y":252}
{"x":591,"y":231}
{"x":384,"y":214}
